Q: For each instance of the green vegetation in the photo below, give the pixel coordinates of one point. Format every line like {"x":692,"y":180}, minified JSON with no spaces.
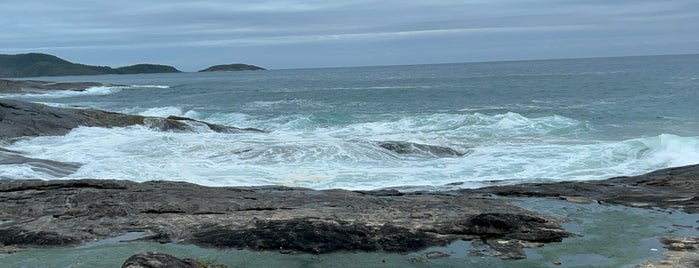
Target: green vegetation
{"x":146,"y":68}
{"x":232,"y":67}
{"x":38,"y":64}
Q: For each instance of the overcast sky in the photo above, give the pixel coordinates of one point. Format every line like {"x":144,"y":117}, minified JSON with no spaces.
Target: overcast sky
{"x":192,"y":35}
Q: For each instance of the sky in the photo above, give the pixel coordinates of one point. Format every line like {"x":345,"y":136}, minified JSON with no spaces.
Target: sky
{"x":280,"y":34}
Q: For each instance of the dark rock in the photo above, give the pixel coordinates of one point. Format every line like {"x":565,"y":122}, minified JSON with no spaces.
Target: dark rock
{"x":51,"y":213}
{"x":675,"y":188}
{"x":402,"y":147}
{"x":50,"y":167}
{"x":215,"y":127}
{"x":262,"y":218}
{"x":526,"y":227}
{"x":158,"y":260}
{"x":317,"y":236}
{"x":31,"y":86}
{"x":20,"y":118}
{"x":16,"y":236}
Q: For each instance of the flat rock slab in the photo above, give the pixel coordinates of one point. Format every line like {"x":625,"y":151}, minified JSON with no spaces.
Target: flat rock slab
{"x":71,"y":212}
{"x":672,"y":188}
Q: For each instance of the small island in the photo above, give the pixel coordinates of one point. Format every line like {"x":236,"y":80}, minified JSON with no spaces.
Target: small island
{"x":233,"y":68}
{"x":39,"y":64}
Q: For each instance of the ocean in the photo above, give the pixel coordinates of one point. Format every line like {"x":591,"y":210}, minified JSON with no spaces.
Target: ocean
{"x":509,"y":122}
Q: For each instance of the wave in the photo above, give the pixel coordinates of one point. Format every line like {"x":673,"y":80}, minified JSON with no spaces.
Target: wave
{"x":306,"y":151}
{"x":53,"y":94}
{"x":91,"y":91}
{"x":258,"y":105}
{"x":150,"y":86}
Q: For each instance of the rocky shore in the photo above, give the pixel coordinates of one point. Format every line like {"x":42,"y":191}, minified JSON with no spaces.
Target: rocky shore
{"x":63,"y":213}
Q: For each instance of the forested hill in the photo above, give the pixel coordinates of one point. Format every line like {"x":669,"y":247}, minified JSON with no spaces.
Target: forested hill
{"x":38,"y":64}
{"x":232,"y":67}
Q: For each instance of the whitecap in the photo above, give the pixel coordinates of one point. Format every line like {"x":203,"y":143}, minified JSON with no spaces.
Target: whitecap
{"x":53,"y":94}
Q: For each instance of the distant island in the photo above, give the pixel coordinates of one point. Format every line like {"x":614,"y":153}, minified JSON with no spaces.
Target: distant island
{"x":232,"y":68}
{"x":39,"y":64}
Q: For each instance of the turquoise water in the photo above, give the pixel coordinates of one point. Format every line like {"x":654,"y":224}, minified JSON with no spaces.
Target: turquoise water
{"x":514,"y":121}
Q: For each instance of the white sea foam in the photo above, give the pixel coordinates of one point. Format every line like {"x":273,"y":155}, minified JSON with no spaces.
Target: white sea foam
{"x":54,"y":94}
{"x":500,"y":147}
{"x":162,"y":112}
{"x":91,"y":91}
{"x":150,"y":86}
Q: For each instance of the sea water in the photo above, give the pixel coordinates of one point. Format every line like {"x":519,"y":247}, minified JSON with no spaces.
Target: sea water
{"x":523,"y":121}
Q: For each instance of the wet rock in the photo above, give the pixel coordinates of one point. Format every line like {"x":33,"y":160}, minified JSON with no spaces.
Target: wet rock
{"x":317,"y":236}
{"x":62,"y":212}
{"x":402,"y":147}
{"x":9,"y":249}
{"x":158,"y":260}
{"x":17,"y":236}
{"x":681,"y":243}
{"x":31,"y":86}
{"x":516,"y":226}
{"x":674,"y":188}
{"x":436,"y":255}
{"x":262,"y":218}
{"x":215,"y":127}
{"x":682,"y":252}
{"x":506,"y":249}
{"x":20,"y":119}
{"x":49,"y":167}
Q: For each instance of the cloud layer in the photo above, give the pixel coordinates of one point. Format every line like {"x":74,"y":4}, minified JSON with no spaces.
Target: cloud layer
{"x":310,"y":33}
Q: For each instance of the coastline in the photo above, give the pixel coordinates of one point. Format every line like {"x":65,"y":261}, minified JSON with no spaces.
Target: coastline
{"x":68,"y":213}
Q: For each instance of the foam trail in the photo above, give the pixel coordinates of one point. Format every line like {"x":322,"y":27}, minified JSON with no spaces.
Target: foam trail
{"x":498,"y":147}
{"x":55,"y":94}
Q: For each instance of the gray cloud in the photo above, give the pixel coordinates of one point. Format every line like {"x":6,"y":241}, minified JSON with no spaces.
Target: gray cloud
{"x":308,"y":33}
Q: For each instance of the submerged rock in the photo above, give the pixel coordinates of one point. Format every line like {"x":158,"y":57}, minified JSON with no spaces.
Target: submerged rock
{"x":213,"y":127}
{"x":402,"y":147}
{"x":50,"y":167}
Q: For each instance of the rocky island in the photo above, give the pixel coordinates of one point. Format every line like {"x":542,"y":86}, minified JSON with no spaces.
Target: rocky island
{"x":233,"y":68}
{"x":69,"y":213}
{"x":39,"y":64}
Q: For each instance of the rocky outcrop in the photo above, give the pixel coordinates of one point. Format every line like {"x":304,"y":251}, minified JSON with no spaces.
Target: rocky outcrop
{"x":71,"y":212}
{"x":20,"y":118}
{"x":28,"y":86}
{"x":213,"y":127}
{"x":50,"y":167}
{"x":23,"y":119}
{"x":403,"y":148}
{"x":258,"y":218}
{"x":675,"y":188}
